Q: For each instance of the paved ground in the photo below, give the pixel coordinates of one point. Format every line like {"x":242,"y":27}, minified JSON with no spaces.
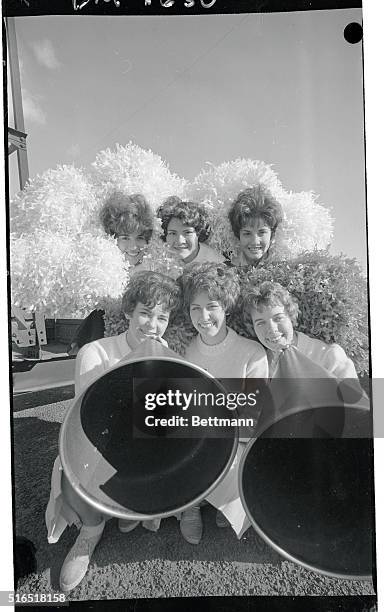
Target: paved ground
{"x":143,"y":564}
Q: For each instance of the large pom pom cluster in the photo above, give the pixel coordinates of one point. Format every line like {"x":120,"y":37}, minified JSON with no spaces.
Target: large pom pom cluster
{"x":61,"y":259}
{"x":63,"y":263}
{"x":131,"y":169}
{"x":64,"y":276}
{"x":332,"y":296}
{"x":307,"y":225}
{"x":61,"y":200}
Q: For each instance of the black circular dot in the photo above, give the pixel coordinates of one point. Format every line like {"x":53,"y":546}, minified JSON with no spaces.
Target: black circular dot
{"x":353,"y":33}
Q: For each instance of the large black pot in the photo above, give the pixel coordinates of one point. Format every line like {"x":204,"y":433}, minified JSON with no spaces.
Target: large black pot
{"x":306,"y":480}
{"x":123,"y":468}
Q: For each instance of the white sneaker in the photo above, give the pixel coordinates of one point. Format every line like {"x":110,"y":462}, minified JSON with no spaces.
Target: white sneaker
{"x":125,"y":525}
{"x":151,"y":524}
{"x":76,"y":562}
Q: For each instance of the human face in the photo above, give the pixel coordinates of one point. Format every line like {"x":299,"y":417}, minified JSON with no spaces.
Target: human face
{"x":182,"y":239}
{"x":208,"y":318}
{"x":273,"y":327}
{"x":255,"y":239}
{"x":132,"y":245}
{"x":146,"y":322}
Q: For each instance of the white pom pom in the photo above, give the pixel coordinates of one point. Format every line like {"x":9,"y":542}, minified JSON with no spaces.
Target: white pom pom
{"x":65,"y":276}
{"x":131,"y":169}
{"x":60,"y":200}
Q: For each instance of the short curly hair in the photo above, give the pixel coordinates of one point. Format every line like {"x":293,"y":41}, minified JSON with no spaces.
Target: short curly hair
{"x":151,"y":288}
{"x":190,"y":213}
{"x":252,"y":204}
{"x":256,"y":295}
{"x":220,"y":282}
{"x":124,"y":214}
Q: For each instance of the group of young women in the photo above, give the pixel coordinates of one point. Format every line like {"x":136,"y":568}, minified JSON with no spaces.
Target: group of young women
{"x":254,"y":218}
{"x":208,"y":290}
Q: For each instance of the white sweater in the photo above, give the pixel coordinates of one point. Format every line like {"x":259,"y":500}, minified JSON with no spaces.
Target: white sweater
{"x":330,"y":356}
{"x":234,"y":357}
{"x":97,"y":357}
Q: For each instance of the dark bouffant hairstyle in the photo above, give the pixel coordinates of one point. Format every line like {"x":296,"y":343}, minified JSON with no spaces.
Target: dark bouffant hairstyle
{"x":190,"y":213}
{"x":220,"y":281}
{"x":268,"y":294}
{"x":123,"y":214}
{"x":151,"y":288}
{"x":252,"y":204}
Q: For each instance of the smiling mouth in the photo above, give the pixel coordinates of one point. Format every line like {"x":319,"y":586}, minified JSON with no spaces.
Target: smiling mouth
{"x":148,"y":334}
{"x":206,"y":325}
{"x":275,"y":339}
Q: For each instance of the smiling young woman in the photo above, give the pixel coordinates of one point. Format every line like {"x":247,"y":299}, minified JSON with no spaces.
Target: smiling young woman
{"x":254,"y":217}
{"x":129,"y":219}
{"x":210,"y":292}
{"x":274,"y":314}
{"x":186,"y":229}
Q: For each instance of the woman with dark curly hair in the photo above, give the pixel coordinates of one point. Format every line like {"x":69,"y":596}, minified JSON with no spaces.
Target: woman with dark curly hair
{"x":186,"y":229}
{"x":254,"y":217}
{"x":129,"y":219}
{"x":210,"y":292}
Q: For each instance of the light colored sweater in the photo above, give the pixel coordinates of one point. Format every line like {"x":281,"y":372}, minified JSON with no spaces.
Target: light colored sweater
{"x":97,"y":357}
{"x":330,"y":356}
{"x":234,"y":357}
